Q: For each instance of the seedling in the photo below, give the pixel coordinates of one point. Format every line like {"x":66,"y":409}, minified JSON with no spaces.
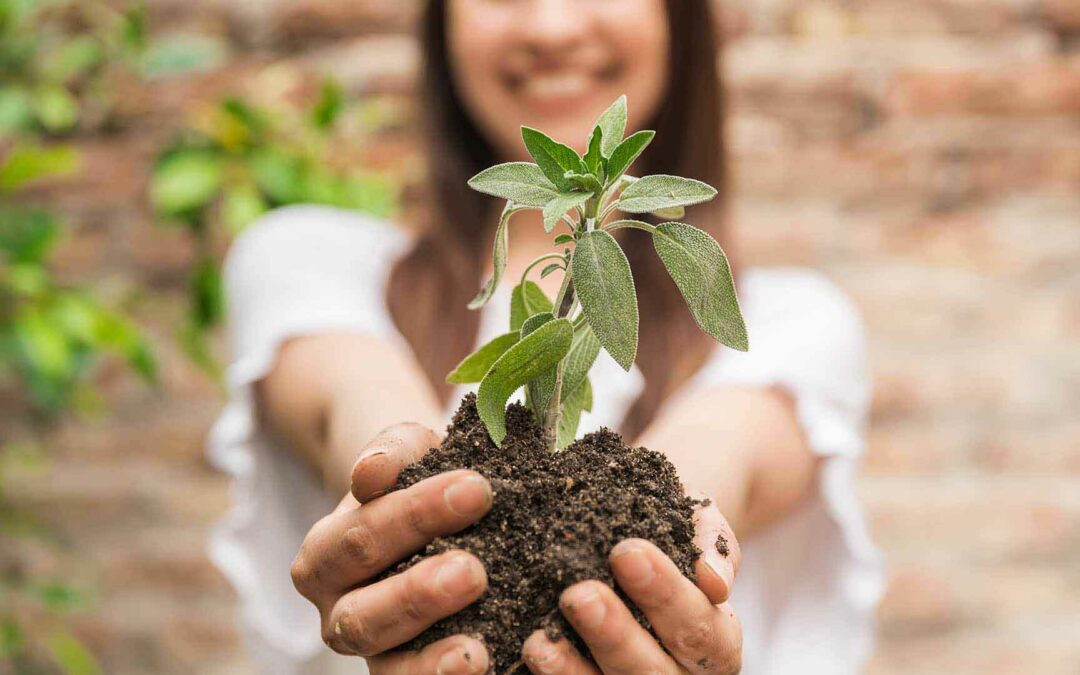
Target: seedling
{"x":552,"y":345}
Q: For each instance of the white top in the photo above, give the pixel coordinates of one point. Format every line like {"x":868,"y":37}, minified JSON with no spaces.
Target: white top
{"x":808,"y":585}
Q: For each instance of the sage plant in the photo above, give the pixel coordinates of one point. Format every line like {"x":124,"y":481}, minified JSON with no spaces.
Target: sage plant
{"x":552,"y":345}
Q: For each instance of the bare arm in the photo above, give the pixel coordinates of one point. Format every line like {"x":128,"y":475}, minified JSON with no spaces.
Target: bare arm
{"x":328,"y":395}
{"x":743,"y":448}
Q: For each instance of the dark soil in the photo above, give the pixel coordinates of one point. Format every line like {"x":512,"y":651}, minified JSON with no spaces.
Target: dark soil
{"x":554,"y":520}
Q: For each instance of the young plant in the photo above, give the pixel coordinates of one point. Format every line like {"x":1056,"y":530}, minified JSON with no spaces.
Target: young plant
{"x":552,"y":344}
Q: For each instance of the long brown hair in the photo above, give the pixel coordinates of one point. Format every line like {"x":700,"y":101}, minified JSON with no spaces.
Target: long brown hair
{"x":431,"y":285}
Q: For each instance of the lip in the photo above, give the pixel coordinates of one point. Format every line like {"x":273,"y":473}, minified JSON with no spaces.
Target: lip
{"x":554,"y":92}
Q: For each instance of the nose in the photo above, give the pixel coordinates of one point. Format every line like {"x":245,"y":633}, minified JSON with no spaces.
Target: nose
{"x":555,"y":25}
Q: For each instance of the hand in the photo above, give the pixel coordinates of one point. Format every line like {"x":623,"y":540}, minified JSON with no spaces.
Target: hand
{"x":695,"y":622}
{"x":370,"y":531}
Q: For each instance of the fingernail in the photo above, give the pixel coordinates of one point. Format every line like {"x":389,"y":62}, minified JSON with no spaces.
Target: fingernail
{"x":456,"y":661}
{"x":460,"y":575}
{"x":468,"y":496}
{"x":585,"y":605}
{"x":634,"y":566}
{"x":542,"y":655}
{"x":369,"y":453}
{"x":721,"y":568}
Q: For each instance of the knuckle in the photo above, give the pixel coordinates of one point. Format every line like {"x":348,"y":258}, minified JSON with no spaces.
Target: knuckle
{"x":697,"y":637}
{"x":417,"y":516}
{"x":303,"y":575}
{"x":361,"y":547}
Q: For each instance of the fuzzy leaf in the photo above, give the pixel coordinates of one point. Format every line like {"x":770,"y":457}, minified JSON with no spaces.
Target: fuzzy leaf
{"x":606,"y":289}
{"x":476,"y":365}
{"x":520,"y":182}
{"x":612,"y":124}
{"x":526,"y":300}
{"x":628,"y":151}
{"x":553,"y":158}
{"x":498,"y":258}
{"x":564,"y":239}
{"x":539,"y":389}
{"x":673,"y":213}
{"x":549,"y":269}
{"x":585,"y":182}
{"x":594,"y":158}
{"x":562,"y":203}
{"x":583,"y":353}
{"x":632,"y":224}
{"x":651,"y":193}
{"x":535,"y":354}
{"x":701,"y":271}
{"x":580,"y":399}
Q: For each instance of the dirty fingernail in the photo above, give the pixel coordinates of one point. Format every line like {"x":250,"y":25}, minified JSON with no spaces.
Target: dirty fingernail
{"x":459,"y":575}
{"x":585,"y":606}
{"x":456,"y":661}
{"x":542,"y":654}
{"x":468,"y":496}
{"x":634,"y":566}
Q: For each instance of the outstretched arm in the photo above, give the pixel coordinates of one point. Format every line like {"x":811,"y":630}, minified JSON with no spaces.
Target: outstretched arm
{"x":742,"y":447}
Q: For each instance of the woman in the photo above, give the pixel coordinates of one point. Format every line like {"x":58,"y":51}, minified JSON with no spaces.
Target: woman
{"x":343,"y":326}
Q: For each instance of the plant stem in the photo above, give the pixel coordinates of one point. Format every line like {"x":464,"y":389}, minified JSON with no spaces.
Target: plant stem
{"x":564,"y":302}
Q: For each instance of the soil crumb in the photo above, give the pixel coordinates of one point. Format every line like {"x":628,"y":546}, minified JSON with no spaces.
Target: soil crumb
{"x":554,"y":520}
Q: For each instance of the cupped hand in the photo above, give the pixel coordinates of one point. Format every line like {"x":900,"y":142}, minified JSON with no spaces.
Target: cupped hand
{"x":370,"y":531}
{"x":694,"y":622}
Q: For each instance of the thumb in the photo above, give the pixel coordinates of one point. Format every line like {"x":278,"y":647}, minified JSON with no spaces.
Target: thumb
{"x":384,"y":456}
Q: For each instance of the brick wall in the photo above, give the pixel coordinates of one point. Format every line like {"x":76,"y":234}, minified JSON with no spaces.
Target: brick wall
{"x":923,"y":153}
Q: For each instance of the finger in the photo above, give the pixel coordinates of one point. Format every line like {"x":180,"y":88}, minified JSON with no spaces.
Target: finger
{"x":719,"y":561}
{"x":351,"y":546}
{"x":386,"y":455}
{"x":545,"y":656}
{"x":617,"y":642}
{"x":457,"y":655}
{"x":686,"y":621}
{"x":375,"y":618}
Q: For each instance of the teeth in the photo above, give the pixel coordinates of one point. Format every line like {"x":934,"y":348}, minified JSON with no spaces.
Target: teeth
{"x":553,"y":86}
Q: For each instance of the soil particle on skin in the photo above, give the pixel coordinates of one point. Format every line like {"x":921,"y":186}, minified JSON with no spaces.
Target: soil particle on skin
{"x":553,"y":522}
{"x":722,"y":546}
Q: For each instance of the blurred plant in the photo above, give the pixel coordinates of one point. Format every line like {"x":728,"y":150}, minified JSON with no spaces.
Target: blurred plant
{"x":238,"y":160}
{"x":51,"y":334}
{"x":64,"y":62}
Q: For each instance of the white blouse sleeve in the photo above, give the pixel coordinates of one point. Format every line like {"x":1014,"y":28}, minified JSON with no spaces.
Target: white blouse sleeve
{"x":809,"y":583}
{"x":297,"y":271}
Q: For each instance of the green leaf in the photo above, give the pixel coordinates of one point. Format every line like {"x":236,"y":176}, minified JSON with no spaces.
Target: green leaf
{"x":594,"y":157}
{"x":476,"y":365}
{"x":578,"y":400}
{"x":526,"y":300}
{"x":329,"y":106}
{"x":702,"y":273}
{"x":562,"y":203}
{"x":241,"y":206}
{"x":651,"y":193}
{"x":520,"y":182}
{"x":73,"y":58}
{"x":28,"y":163}
{"x":612,"y":124}
{"x":11,"y":639}
{"x":606,"y":288}
{"x":532,"y":356}
{"x":549,"y":269}
{"x":628,"y":151}
{"x":585,"y":182}
{"x":538,"y":390}
{"x":26,"y":234}
{"x":632,"y":224}
{"x":553,"y":158}
{"x":206,"y":287}
{"x":673,"y":213}
{"x":56,"y":108}
{"x":71,"y":655}
{"x":498,"y":258}
{"x":580,"y":360}
{"x":16,"y":113}
{"x":278,"y":174}
{"x":564,"y":239}
{"x":186,"y":181}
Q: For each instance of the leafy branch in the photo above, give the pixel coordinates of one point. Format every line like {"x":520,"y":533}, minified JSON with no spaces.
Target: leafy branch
{"x":552,"y":345}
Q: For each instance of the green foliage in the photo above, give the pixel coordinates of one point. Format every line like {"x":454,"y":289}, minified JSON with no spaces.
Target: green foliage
{"x":51,"y":335}
{"x":237,"y":161}
{"x":596,"y":306}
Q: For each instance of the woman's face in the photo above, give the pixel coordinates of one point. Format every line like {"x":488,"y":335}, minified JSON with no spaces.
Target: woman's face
{"x":555,"y":64}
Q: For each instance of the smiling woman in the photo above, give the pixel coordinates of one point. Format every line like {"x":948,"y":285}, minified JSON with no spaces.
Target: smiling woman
{"x":344,"y":325}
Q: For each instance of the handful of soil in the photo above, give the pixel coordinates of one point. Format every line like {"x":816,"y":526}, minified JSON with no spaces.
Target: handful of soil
{"x":553,"y":522}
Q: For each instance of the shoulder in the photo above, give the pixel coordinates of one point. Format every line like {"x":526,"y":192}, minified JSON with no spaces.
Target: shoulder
{"x":314,"y":233}
{"x":801,"y":308}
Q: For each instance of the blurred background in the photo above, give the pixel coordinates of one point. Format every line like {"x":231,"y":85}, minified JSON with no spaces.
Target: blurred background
{"x":924,"y":154}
